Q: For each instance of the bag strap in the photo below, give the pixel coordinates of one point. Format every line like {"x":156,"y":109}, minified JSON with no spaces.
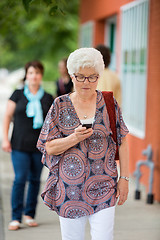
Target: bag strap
{"x":109,"y":101}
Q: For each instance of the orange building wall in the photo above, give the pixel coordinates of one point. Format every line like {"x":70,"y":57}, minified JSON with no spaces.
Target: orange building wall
{"x":99,"y":9}
{"x":98,"y":12}
{"x":153,"y":104}
{"x":99,"y":32}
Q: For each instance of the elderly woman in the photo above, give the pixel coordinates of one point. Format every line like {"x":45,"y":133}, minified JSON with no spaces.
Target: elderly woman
{"x":82,"y":182}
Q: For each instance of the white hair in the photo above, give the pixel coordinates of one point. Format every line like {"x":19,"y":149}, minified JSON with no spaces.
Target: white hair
{"x":85,"y":57}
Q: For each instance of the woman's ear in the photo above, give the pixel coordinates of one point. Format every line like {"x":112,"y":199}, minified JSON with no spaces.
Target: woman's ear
{"x":72,"y":77}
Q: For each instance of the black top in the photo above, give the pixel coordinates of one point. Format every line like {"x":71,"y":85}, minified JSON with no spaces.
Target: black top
{"x":24,"y":137}
{"x":64,"y":88}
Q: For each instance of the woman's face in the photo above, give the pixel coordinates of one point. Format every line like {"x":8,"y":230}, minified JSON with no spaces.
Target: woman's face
{"x":85,"y":88}
{"x":62,"y":68}
{"x":34,"y":76}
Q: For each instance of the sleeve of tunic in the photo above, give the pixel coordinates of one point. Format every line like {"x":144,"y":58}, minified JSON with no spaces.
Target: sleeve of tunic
{"x":121,"y":127}
{"x":49,"y":132}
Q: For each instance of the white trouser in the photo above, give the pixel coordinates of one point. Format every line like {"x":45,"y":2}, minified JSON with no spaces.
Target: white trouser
{"x":101,"y":224}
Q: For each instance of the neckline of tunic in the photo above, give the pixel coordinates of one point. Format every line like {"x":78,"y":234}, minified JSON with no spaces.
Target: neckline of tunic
{"x":96,"y":111}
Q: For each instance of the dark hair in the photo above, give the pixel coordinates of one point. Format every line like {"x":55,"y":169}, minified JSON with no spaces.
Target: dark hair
{"x":105,"y":51}
{"x":36,"y":64}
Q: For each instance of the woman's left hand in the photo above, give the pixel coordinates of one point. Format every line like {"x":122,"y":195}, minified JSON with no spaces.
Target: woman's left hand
{"x":122,"y":191}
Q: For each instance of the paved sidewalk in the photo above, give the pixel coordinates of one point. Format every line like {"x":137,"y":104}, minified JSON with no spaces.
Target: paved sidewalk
{"x":1,"y":218}
{"x":136,"y":220}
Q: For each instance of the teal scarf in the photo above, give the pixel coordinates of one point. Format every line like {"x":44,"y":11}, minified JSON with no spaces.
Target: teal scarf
{"x":34,"y":108}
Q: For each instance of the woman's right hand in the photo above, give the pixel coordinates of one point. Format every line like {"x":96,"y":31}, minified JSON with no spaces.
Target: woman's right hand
{"x":82,"y":133}
{"x":6,"y":146}
{"x":60,"y":145}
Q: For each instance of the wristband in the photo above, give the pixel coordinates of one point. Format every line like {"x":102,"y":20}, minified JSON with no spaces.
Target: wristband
{"x":126,"y":178}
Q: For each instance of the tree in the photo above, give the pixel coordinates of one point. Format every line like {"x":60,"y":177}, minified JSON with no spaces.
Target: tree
{"x":46,"y":30}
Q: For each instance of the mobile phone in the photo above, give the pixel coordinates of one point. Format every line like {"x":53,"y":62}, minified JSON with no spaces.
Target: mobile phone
{"x":87,"y":125}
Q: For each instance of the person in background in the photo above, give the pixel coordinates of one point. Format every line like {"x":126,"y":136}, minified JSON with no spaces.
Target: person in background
{"x":83,"y":179}
{"x":64,"y":83}
{"x":27,"y":109}
{"x":109,"y":81}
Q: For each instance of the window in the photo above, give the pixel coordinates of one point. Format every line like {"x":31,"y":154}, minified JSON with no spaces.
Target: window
{"x":110,"y":39}
{"x":134,"y":64}
{"x":86,"y":34}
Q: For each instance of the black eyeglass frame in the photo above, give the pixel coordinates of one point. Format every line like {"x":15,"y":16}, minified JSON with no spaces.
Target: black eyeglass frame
{"x":86,"y":78}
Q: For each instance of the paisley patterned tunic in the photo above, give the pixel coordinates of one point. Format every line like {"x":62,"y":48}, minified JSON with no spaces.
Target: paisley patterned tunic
{"x":83,"y":179}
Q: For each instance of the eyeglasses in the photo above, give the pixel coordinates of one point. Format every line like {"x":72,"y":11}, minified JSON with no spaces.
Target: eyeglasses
{"x":82,"y":78}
